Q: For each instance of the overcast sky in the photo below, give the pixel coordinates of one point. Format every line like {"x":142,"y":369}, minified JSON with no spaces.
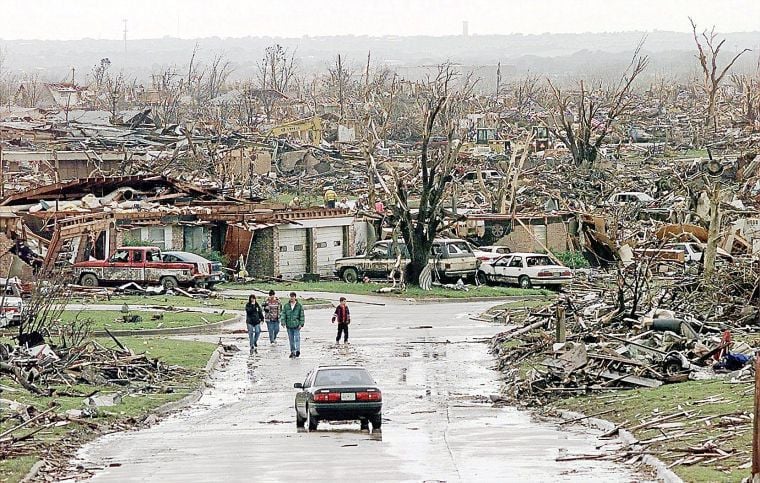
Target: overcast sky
{"x":74,"y":19}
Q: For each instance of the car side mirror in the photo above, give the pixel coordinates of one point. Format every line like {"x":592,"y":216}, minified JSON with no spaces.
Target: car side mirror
{"x":298,"y":385}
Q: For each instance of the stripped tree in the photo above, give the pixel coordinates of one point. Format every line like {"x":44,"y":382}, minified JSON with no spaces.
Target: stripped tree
{"x":441,"y":100}
{"x":712,"y":75}
{"x":583,"y":118}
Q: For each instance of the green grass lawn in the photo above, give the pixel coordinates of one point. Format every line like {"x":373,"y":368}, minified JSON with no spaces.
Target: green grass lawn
{"x":190,"y":355}
{"x":634,"y":406}
{"x":369,"y":289}
{"x":221,"y":303}
{"x":112,"y":319}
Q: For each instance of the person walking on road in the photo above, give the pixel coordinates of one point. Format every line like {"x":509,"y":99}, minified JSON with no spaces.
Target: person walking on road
{"x":253,"y":318}
{"x":293,"y":320}
{"x":343,"y":317}
{"x":272,"y":309}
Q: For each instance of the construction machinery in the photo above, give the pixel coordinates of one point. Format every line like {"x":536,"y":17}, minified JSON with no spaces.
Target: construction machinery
{"x":308,"y":130}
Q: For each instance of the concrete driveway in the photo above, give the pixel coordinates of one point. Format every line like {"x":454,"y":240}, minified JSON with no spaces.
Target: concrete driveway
{"x":431,"y":361}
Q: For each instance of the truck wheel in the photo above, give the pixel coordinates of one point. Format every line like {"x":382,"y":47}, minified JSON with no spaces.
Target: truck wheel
{"x":350,"y":275}
{"x":169,"y":283}
{"x":89,"y":280}
{"x":524,"y":282}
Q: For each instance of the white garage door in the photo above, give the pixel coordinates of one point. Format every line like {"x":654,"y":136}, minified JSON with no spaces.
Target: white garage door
{"x":329,"y":245}
{"x":293,"y":252}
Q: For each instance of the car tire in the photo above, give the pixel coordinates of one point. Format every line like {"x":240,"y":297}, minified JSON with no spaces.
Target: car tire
{"x":313,"y":422}
{"x":364,"y":425}
{"x":300,"y":422}
{"x":210,"y":286}
{"x":524,"y":282}
{"x":350,"y":275}
{"x":377,"y":422}
{"x":89,"y":280}
{"x":169,"y":283}
{"x":481,"y":278}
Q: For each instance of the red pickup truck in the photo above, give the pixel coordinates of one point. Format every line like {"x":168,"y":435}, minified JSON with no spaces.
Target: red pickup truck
{"x":142,"y":265}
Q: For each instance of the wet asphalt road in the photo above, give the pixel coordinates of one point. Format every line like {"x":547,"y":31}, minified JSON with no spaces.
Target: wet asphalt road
{"x":435,"y":372}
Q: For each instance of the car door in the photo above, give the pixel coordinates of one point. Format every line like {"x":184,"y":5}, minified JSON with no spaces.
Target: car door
{"x":118,"y":265}
{"x":137,"y":268}
{"x":499,"y":268}
{"x":514,"y":269}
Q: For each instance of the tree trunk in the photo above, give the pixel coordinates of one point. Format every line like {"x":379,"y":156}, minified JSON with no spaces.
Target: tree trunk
{"x":712,"y":233}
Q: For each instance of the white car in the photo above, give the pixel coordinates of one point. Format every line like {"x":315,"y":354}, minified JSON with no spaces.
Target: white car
{"x":11,"y":303}
{"x":525,"y":270}
{"x":490,"y":253}
{"x":629,"y":197}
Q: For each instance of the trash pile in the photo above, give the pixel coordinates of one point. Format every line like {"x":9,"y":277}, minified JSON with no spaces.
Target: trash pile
{"x":604,"y":334}
{"x":56,"y":372}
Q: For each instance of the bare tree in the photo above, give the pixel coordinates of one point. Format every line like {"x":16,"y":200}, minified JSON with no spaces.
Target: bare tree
{"x":595,"y":107}
{"x":338,"y":80}
{"x":276,"y":70}
{"x":217,"y":73}
{"x":30,"y":90}
{"x":712,"y":75}
{"x":441,"y":103}
{"x":749,"y":90}
{"x":167,"y":86}
{"x":115,"y":89}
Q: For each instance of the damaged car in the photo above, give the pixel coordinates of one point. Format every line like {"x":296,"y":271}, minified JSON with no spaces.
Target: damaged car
{"x":525,"y":270}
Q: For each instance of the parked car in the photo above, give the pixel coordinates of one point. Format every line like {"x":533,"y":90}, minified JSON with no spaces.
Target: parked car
{"x":203,"y":265}
{"x":142,"y":265}
{"x":692,"y":251}
{"x":450,"y":258}
{"x":11,"y":302}
{"x":490,"y":253}
{"x":338,"y":393}
{"x":525,"y":270}
{"x":629,"y":197}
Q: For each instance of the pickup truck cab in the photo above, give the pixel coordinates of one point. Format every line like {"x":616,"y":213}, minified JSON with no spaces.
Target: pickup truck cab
{"x":450,"y":258}
{"x":142,"y":265}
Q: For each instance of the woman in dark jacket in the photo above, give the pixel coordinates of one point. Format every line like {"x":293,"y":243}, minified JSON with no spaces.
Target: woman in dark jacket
{"x":253,"y":317}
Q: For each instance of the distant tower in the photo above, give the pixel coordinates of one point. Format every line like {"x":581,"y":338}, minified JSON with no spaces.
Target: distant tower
{"x":125,"y":35}
{"x":465,"y":28}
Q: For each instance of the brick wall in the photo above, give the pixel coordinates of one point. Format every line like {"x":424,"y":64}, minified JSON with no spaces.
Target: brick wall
{"x":264,"y":253}
{"x":520,"y":239}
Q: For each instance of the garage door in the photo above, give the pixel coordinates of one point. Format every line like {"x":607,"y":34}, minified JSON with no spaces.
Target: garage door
{"x":329,"y":246}
{"x":293,"y":252}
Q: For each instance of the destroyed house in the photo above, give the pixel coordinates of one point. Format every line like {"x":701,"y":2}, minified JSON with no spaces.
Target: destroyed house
{"x":89,"y":218}
{"x":520,"y":233}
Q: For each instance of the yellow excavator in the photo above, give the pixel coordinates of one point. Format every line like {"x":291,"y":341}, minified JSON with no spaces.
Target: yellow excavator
{"x":308,"y":129}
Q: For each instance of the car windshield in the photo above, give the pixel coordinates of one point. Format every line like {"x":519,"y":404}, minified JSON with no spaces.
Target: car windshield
{"x":343,"y":377}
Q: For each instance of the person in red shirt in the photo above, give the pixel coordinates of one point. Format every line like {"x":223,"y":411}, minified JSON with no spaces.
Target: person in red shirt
{"x":343,"y":317}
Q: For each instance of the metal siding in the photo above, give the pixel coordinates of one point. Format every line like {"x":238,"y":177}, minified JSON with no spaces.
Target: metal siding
{"x":327,"y":255}
{"x":293,"y":262}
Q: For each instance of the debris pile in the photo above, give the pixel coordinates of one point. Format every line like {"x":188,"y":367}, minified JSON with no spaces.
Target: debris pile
{"x":606,"y":334}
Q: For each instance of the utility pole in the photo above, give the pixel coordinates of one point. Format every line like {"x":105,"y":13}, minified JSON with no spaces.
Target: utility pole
{"x":68,"y":98}
{"x":125,"y":34}
{"x":498,"y":79}
{"x":756,"y":427}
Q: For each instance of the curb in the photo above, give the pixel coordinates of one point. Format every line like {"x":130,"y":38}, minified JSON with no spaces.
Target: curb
{"x":33,"y":471}
{"x":160,"y":411}
{"x":194,"y":396}
{"x":661,"y":470}
{"x":462,"y":300}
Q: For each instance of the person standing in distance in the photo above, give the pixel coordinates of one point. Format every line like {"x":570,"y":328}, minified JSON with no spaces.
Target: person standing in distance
{"x":343,"y":317}
{"x":292,"y":318}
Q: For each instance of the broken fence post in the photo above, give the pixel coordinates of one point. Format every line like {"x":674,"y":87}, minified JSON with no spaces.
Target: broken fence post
{"x":561,"y":326}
